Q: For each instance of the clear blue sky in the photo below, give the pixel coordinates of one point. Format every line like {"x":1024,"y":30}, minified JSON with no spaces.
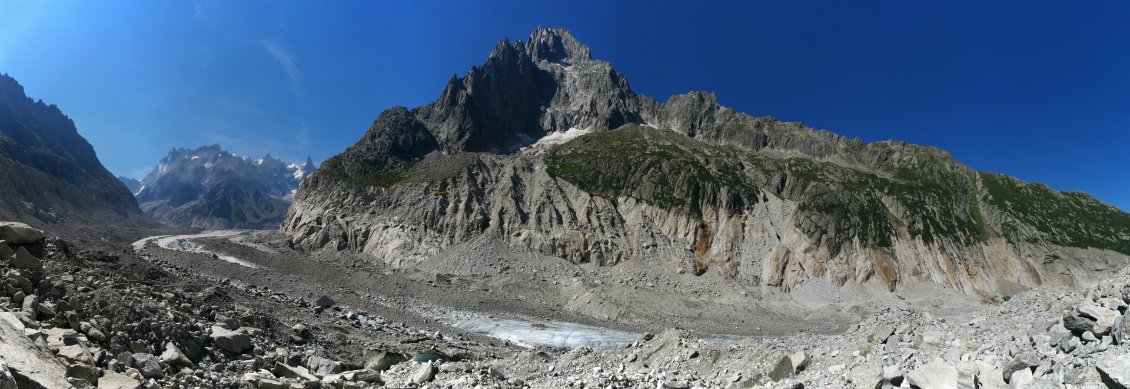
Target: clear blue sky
{"x":1035,"y":89}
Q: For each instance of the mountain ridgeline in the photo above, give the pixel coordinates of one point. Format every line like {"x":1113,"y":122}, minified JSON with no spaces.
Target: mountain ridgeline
{"x":545,"y":148}
{"x":212,"y":188}
{"x":49,"y":174}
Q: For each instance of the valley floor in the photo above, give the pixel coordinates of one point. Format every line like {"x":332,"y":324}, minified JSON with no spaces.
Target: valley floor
{"x":494,"y":317}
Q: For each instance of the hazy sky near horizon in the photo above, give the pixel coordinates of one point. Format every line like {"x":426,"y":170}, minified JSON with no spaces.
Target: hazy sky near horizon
{"x":1035,"y":89}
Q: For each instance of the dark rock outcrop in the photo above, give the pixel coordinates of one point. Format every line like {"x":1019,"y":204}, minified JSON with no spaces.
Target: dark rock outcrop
{"x":50,"y":173}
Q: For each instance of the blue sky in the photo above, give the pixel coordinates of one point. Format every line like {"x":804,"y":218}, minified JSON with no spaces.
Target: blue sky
{"x":1035,"y":89}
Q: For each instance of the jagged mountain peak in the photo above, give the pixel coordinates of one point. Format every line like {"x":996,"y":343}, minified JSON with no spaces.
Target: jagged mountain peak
{"x":556,"y":45}
{"x":209,"y":187}
{"x":528,"y":90}
{"x":10,"y":88}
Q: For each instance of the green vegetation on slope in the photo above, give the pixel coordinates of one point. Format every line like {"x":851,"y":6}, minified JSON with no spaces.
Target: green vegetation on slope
{"x":924,"y":193}
{"x":837,"y":203}
{"x":660,"y":167}
{"x":1065,"y":218}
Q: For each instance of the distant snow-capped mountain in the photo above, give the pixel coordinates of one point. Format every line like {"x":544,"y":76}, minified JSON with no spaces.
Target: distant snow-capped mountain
{"x":212,"y":188}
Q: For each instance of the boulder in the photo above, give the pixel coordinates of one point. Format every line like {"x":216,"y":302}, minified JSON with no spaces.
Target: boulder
{"x":1118,"y":330}
{"x":1021,"y":378}
{"x":300,"y":333}
{"x":19,"y":233}
{"x":190,"y":348}
{"x":298,"y":373}
{"x":881,"y":334}
{"x":1115,"y":371}
{"x":84,"y":372}
{"x":424,"y":374}
{"x":789,"y":366}
{"x":324,"y":301}
{"x":322,"y":366}
{"x":227,"y":322}
{"x":25,"y":261}
{"x":1016,"y":365}
{"x":31,"y":307}
{"x":262,"y":379}
{"x":112,"y":380}
{"x":1104,"y":318}
{"x":232,"y":341}
{"x":23,"y":357}
{"x":1077,"y":324}
{"x":989,"y":377}
{"x":174,"y":357}
{"x":6,"y":252}
{"x":268,"y":383}
{"x":75,"y":353}
{"x":934,"y":375}
{"x":363,"y":375}
{"x":148,"y":364}
{"x":892,"y":375}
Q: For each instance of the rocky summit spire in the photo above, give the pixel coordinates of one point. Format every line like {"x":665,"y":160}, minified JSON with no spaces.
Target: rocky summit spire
{"x":556,"y":45}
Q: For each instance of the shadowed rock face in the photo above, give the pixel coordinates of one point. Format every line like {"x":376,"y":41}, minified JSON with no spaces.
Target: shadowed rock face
{"x":50,"y":173}
{"x":212,"y":188}
{"x":543,"y":147}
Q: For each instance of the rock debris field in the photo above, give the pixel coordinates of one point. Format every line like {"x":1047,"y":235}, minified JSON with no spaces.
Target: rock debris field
{"x":73,"y":316}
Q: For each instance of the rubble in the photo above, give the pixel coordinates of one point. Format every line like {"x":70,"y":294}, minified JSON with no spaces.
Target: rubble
{"x":85,"y":323}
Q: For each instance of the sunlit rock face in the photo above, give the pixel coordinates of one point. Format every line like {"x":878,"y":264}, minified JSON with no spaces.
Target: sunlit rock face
{"x":545,"y":148}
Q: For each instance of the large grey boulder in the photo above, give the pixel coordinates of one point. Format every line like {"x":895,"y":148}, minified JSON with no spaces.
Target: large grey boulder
{"x":1016,"y":365}
{"x":112,"y":380}
{"x":323,"y":367}
{"x":23,"y":357}
{"x":1115,"y":371}
{"x":789,"y":366}
{"x":1118,"y":330}
{"x":424,"y":374}
{"x":149,"y":365}
{"x":25,"y":261}
{"x":295,"y":372}
{"x":324,"y":301}
{"x":19,"y":233}
{"x":84,"y":372}
{"x":990,"y":377}
{"x":1104,"y":318}
{"x":30,"y":306}
{"x":173,"y":356}
{"x":232,"y":341}
{"x":1077,"y":324}
{"x":934,"y":375}
{"x":6,"y":252}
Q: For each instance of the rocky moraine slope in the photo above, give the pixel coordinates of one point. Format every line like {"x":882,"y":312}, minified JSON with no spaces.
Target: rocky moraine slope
{"x":49,"y":174}
{"x":545,"y":148}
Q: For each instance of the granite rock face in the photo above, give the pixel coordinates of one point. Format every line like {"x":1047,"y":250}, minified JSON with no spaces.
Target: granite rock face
{"x":545,"y":148}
